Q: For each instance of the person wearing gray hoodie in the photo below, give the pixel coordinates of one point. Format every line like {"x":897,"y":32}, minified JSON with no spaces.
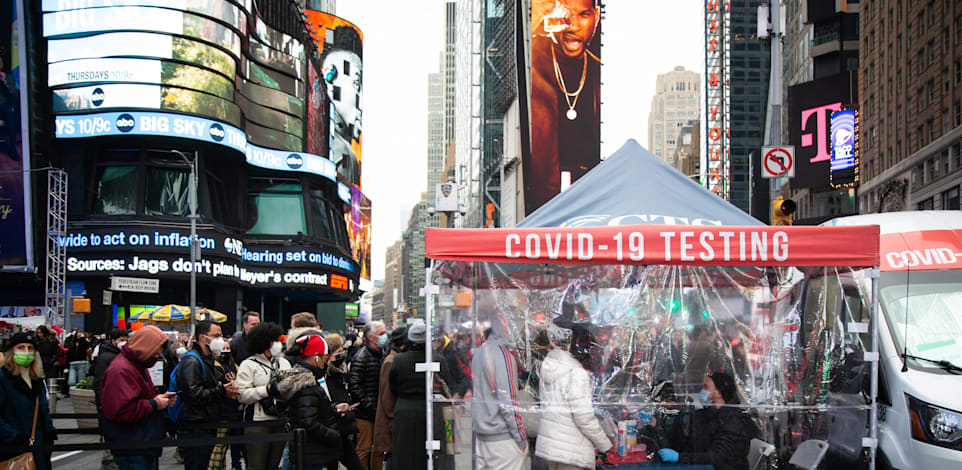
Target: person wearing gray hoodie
{"x":496,"y":417}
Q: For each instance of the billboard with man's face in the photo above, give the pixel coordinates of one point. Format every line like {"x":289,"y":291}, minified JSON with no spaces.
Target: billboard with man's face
{"x":340,"y":44}
{"x":565,"y":96}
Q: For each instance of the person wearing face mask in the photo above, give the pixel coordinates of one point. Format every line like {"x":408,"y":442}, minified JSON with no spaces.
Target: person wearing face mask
{"x":231,"y":411}
{"x":132,"y":411}
{"x":721,"y":434}
{"x":253,"y":379}
{"x":336,"y":377}
{"x":108,"y":352}
{"x":311,"y":405}
{"x":24,"y":399}
{"x":201,"y":392}
{"x":364,"y":381}
{"x":384,"y":420}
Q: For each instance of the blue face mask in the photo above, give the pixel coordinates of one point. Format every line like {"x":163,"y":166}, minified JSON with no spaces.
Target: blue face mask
{"x":703,"y":396}
{"x":382,"y":340}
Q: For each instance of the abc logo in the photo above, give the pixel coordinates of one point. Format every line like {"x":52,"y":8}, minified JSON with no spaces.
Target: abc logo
{"x":97,"y":97}
{"x":294,"y":161}
{"x":125,"y":123}
{"x":217,"y":132}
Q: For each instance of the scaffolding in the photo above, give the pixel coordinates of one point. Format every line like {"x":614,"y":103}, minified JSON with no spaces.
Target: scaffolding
{"x":56,"y":251}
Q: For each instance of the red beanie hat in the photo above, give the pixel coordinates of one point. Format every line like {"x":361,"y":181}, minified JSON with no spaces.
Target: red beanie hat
{"x":312,"y":345}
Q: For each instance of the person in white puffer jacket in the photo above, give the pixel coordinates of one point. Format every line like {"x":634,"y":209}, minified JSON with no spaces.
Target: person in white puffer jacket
{"x":569,"y":432}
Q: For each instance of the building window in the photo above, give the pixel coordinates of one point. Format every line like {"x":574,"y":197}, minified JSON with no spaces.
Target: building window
{"x":275,"y":207}
{"x":946,"y":122}
{"x":167,"y":191}
{"x":116,"y":191}
{"x":927,"y":205}
{"x":950,"y":199}
{"x":946,"y":82}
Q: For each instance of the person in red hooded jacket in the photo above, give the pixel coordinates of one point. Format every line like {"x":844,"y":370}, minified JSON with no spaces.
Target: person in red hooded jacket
{"x":131,"y":408}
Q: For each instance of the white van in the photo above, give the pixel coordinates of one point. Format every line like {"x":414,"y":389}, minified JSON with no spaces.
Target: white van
{"x":920,"y":338}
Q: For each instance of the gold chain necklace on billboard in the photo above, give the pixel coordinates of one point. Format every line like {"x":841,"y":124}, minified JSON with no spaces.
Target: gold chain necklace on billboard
{"x":571,"y":114}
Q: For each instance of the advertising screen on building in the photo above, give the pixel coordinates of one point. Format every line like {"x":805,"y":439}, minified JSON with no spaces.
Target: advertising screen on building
{"x":342,"y":56}
{"x":15,"y":222}
{"x":134,"y":44}
{"x":317,"y":102}
{"x":845,"y":148}
{"x":565,"y":96}
{"x":359,"y":231}
{"x":810,"y":108}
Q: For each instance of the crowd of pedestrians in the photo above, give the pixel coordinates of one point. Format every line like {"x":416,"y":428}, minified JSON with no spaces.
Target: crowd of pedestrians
{"x":360,"y":399}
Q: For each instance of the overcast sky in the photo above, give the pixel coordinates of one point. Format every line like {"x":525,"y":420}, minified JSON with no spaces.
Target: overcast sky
{"x":642,"y":38}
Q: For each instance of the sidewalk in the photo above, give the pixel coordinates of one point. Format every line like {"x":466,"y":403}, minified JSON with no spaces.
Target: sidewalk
{"x":90,"y":460}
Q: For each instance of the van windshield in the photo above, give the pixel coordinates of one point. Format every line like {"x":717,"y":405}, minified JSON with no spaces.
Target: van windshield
{"x":924,"y":312}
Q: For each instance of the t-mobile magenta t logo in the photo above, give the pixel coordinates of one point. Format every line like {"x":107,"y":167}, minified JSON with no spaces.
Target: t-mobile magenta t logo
{"x":822,"y":114}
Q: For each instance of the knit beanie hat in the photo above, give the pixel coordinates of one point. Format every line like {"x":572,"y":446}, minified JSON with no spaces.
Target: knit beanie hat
{"x":725,"y":384}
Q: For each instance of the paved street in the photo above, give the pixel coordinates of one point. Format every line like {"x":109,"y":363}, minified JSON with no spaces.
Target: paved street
{"x":90,"y":460}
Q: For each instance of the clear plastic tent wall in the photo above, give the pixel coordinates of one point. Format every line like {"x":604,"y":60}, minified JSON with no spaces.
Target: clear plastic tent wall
{"x":604,"y":336}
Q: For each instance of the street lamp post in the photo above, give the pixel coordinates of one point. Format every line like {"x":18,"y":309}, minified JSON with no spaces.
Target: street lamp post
{"x":192,"y":196}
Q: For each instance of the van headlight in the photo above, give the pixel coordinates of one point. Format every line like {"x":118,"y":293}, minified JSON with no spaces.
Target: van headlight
{"x":934,"y":425}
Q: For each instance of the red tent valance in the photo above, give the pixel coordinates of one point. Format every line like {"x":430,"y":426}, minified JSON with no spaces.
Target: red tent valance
{"x":661,"y":245}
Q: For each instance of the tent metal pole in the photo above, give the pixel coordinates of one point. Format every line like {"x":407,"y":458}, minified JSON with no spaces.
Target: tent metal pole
{"x":429,"y":291}
{"x":873,"y":429}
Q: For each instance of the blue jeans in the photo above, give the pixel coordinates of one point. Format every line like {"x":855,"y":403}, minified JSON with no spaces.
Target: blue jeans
{"x":78,"y":369}
{"x":286,"y":459}
{"x":135,"y":462}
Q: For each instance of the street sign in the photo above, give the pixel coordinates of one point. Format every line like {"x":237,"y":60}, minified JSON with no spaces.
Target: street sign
{"x":135,"y":284}
{"x":778,"y":161}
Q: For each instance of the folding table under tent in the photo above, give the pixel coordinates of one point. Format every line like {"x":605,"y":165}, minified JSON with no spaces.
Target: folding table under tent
{"x":789,"y":312}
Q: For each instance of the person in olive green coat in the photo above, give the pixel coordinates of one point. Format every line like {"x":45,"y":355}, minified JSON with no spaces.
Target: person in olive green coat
{"x":410,"y":424}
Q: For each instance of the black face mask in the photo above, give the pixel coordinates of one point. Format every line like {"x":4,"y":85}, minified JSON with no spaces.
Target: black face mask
{"x":339,"y":359}
{"x":225,"y":356}
{"x":150,"y":362}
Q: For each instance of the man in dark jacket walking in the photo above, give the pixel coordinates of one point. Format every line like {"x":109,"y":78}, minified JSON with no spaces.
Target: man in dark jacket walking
{"x":202,"y":394}
{"x":132,"y":411}
{"x":363,"y":381}
{"x":108,"y":352}
{"x":238,"y":343}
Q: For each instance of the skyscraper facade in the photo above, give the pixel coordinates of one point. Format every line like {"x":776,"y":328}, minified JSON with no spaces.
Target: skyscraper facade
{"x":750,"y":63}
{"x":677,"y":101}
{"x":911,"y":105}
{"x":436,"y":138}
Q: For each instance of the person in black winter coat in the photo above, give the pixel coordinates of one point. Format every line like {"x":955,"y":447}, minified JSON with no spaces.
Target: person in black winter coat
{"x":21,"y":391}
{"x":108,"y":352}
{"x":48,"y":347}
{"x":721,"y":434}
{"x":197,"y":379}
{"x":310,"y":404}
{"x":337,"y":384}
{"x":364,"y":384}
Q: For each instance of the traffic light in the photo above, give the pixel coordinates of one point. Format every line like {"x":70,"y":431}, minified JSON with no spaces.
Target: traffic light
{"x":782,"y":210}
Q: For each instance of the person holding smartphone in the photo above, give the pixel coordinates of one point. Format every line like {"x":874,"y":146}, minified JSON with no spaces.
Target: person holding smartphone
{"x":132,"y":410}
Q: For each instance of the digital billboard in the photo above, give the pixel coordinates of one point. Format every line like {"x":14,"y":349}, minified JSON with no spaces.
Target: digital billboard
{"x":359,"y":231}
{"x":15,"y":221}
{"x":161,"y":72}
{"x":129,"y":95}
{"x":161,"y":20}
{"x":565,"y":96}
{"x":317,"y":103}
{"x":132,"y":44}
{"x":810,"y":108}
{"x":844,"y":168}
{"x":342,"y":67}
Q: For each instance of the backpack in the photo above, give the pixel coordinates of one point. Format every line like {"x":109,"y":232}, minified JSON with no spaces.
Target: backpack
{"x":174,"y":410}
